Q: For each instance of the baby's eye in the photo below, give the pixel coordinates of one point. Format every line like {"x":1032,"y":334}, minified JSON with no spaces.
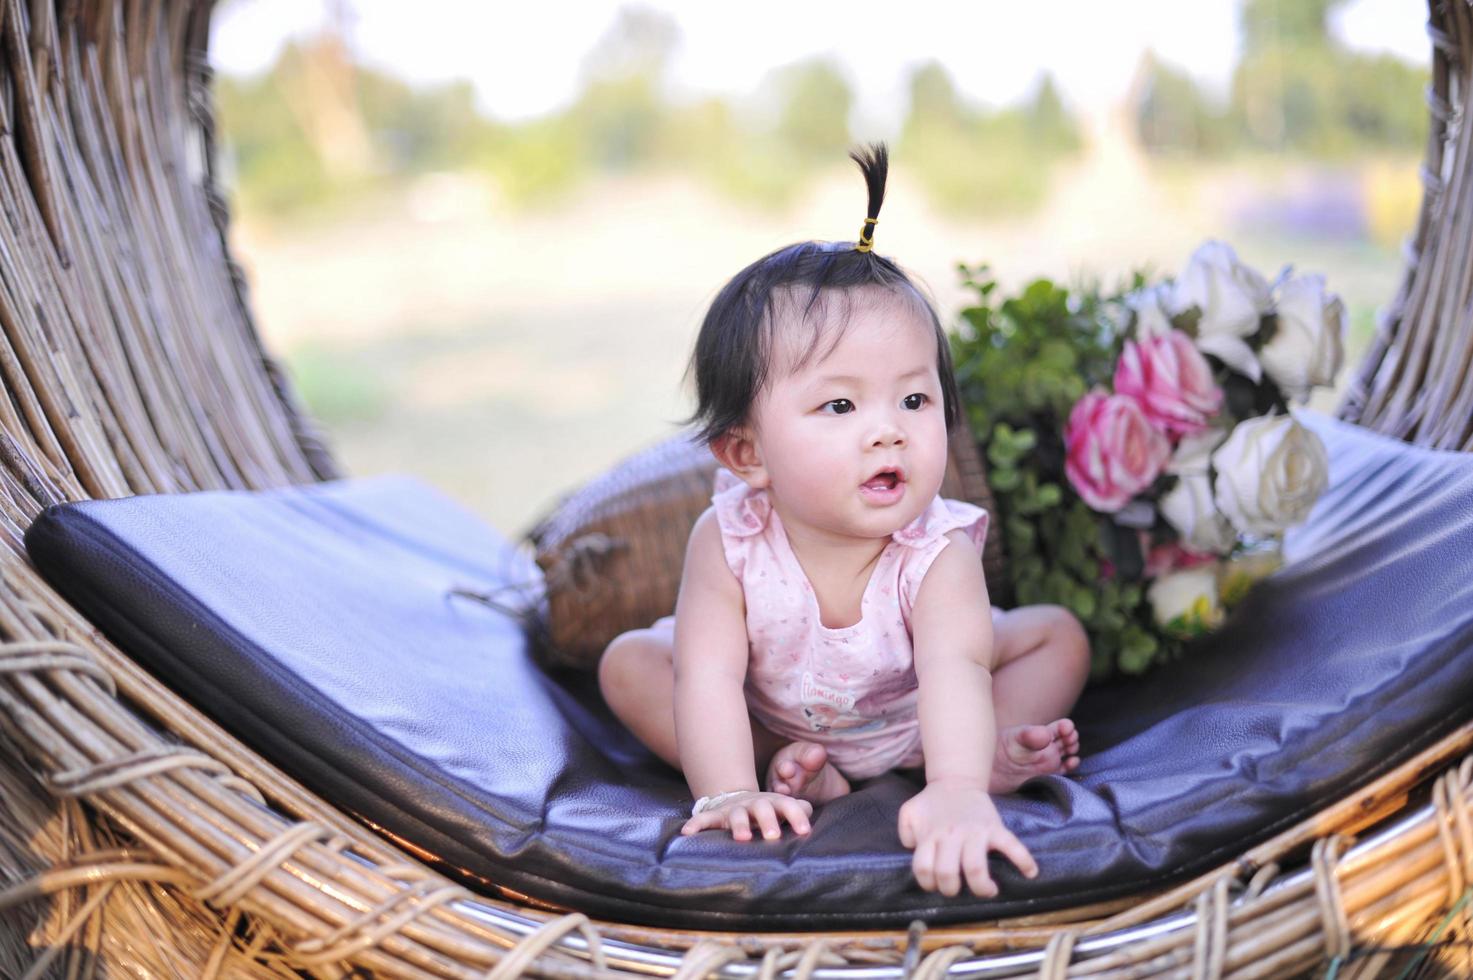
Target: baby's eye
{"x":915,"y":401}
{"x":839,"y":406}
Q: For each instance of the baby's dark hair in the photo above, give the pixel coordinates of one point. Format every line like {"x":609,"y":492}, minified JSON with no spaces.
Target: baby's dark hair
{"x":735,"y":345}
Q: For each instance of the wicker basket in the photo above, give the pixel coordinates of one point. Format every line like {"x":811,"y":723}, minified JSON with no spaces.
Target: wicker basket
{"x":137,"y":838}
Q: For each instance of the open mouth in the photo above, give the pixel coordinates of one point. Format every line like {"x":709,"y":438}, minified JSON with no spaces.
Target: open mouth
{"x":884,"y":480}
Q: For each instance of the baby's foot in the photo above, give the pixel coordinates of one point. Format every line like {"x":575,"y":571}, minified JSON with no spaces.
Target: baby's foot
{"x":1026,"y":751}
{"x":802,"y":769}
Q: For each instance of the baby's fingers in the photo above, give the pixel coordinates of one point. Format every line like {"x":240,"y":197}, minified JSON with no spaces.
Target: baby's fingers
{"x":923,"y":864}
{"x":739,"y":822}
{"x":949,"y":864}
{"x":796,"y":813}
{"x":705,"y":820}
{"x":1011,"y":848}
{"x":766,"y":816}
{"x":974,"y":867}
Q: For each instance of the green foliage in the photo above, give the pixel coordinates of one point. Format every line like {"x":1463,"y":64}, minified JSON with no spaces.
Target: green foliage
{"x":1021,"y":362}
{"x":1326,"y":101}
{"x":1296,"y":88}
{"x":1173,"y":116}
{"x":540,"y":161}
{"x":318,"y":130}
{"x":815,"y":100}
{"x":984,"y":163}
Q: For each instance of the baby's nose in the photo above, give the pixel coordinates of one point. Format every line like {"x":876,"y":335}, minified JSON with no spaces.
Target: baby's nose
{"x":888,"y":434}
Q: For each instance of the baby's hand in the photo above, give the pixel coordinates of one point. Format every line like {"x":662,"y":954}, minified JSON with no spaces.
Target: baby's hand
{"x":739,"y":810}
{"x":953,"y":825}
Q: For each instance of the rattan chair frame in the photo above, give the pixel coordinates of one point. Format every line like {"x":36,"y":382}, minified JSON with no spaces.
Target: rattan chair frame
{"x":138,"y":837}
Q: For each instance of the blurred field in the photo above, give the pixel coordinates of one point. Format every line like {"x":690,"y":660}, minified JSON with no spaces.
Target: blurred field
{"x":507,"y":355}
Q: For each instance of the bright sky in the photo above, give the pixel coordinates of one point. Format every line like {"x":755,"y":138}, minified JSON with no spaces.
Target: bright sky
{"x":524,"y":59}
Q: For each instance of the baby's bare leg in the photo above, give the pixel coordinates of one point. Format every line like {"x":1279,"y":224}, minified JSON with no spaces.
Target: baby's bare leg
{"x":637,"y":678}
{"x":1042,"y":657}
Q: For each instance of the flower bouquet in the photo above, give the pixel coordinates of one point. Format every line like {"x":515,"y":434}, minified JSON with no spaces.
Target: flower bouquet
{"x":1143,"y":453}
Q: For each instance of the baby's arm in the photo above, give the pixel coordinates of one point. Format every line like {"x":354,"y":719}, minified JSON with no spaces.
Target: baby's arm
{"x":712,"y":728}
{"x":952,"y":823}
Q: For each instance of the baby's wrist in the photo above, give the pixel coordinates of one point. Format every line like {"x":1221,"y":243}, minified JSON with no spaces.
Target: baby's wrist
{"x":719,"y":799}
{"x":957,"y":781}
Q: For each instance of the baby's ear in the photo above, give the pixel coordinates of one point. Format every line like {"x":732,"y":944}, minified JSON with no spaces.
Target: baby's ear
{"x":736,"y":449}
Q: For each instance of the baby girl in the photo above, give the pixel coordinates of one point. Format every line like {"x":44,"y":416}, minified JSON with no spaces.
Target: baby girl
{"x":833,"y":621}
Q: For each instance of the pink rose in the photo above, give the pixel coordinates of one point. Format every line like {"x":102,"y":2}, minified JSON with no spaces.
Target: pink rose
{"x":1112,"y":450}
{"x":1171,"y":557}
{"x":1171,"y":379}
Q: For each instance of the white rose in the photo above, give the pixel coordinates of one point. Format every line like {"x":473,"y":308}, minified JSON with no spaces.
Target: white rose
{"x":1190,"y":594}
{"x":1150,"y":305}
{"x":1269,"y":474}
{"x":1189,"y":506}
{"x":1190,"y":509}
{"x":1308,"y":346}
{"x":1232,"y":299}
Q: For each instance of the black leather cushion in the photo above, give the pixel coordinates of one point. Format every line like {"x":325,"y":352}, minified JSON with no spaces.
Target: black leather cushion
{"x":319,"y":625}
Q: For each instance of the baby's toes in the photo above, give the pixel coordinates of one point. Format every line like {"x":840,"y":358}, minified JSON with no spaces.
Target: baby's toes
{"x":1033,"y":739}
{"x":813,"y":757}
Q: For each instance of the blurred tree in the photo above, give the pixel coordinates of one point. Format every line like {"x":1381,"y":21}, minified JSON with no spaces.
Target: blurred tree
{"x":1049,"y":123}
{"x":622,"y":106}
{"x":1296,"y":88}
{"x":414,"y":130}
{"x":318,"y":79}
{"x":277,"y":166}
{"x":1269,"y":24}
{"x":1173,"y":116}
{"x":983,"y":163}
{"x":815,"y":100}
{"x":933,"y":99}
{"x":294,"y":148}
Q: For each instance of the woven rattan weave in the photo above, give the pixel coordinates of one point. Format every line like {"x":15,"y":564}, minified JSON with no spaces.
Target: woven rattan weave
{"x":136,"y":838}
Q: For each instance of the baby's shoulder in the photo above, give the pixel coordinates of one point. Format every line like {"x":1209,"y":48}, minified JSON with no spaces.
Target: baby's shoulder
{"x":965,"y":540}
{"x":705,"y":534}
{"x":954,"y":568}
{"x":707,"y":563}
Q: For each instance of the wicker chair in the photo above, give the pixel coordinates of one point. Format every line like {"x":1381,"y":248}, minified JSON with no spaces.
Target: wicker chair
{"x":137,"y":837}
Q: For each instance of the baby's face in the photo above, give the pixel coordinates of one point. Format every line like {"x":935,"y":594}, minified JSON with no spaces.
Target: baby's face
{"x":853,"y":443}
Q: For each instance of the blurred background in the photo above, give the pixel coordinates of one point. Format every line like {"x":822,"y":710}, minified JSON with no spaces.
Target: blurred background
{"x":482,"y":239}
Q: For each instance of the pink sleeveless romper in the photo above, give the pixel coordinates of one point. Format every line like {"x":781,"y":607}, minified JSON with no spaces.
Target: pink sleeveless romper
{"x":853,"y":689}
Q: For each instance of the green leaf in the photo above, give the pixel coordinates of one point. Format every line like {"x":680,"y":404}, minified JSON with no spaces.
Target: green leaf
{"x":1082,"y":603}
{"x":1002,"y":454}
{"x":1004,"y":480}
{"x":1137,"y":649}
{"x":1020,"y":533}
{"x":1058,"y":355}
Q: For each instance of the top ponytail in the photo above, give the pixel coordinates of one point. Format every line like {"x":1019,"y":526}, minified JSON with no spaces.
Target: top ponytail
{"x":874,"y":163}
{"x":733,"y":353}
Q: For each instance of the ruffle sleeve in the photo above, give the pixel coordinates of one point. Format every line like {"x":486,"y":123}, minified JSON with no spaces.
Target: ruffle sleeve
{"x":925,"y":538}
{"x":941,"y":518}
{"x":741,"y":513}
